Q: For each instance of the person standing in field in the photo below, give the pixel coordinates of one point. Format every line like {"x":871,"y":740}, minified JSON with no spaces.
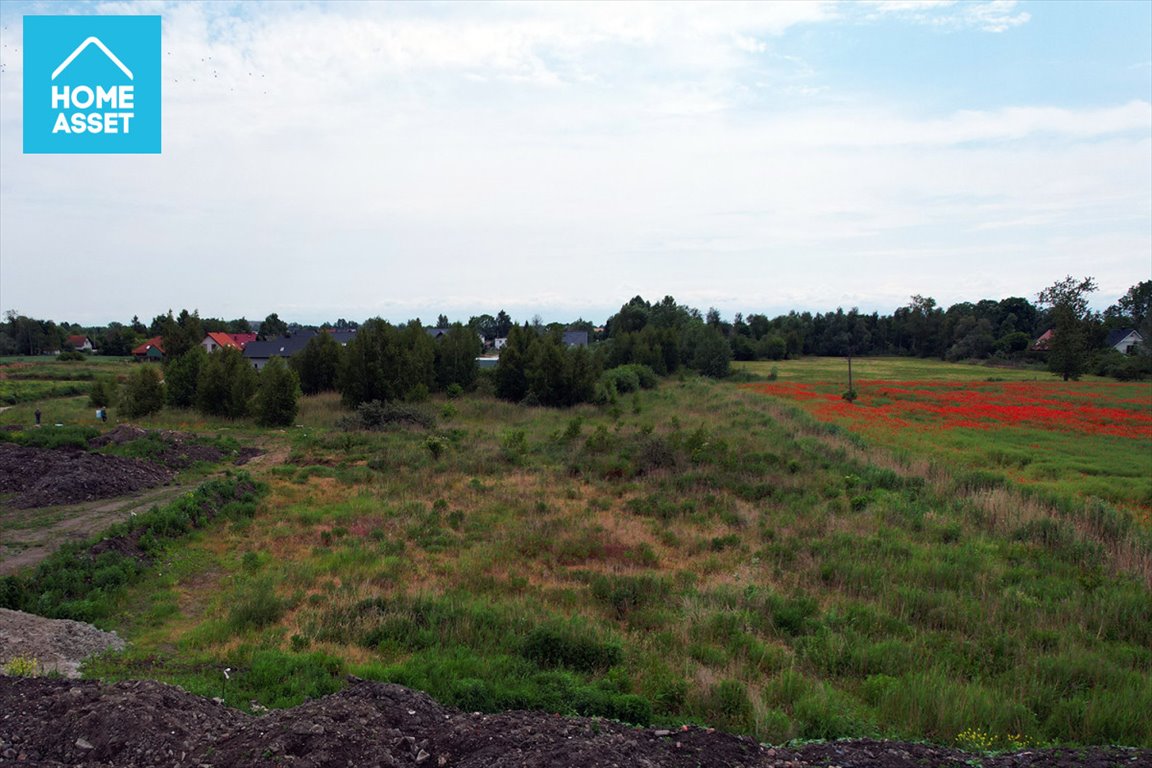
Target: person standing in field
{"x":37,"y":417}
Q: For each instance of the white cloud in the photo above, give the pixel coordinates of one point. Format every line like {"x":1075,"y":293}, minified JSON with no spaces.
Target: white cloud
{"x":558,"y":159}
{"x":988,"y":16}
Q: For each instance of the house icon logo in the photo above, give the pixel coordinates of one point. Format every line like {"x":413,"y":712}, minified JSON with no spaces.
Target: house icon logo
{"x":79,"y":50}
{"x":92,"y":85}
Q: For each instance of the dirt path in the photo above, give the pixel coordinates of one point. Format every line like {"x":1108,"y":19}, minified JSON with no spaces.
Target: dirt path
{"x":27,"y":536}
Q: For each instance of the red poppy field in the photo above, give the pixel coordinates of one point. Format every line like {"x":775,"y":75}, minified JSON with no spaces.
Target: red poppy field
{"x":1081,"y":439}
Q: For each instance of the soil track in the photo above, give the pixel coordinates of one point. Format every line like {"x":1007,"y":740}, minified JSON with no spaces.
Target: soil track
{"x":136,"y":724}
{"x":61,"y":495}
{"x":31,"y":535}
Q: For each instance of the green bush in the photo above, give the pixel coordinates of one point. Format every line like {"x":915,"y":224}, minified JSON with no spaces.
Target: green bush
{"x":277,"y":395}
{"x":279,"y":679}
{"x":573,"y":645}
{"x":255,"y":607}
{"x":144,"y":393}
{"x":375,"y":415}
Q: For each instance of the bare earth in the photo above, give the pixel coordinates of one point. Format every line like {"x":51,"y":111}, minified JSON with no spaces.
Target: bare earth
{"x":27,"y":536}
{"x":57,"y":645}
{"x":143,"y":724}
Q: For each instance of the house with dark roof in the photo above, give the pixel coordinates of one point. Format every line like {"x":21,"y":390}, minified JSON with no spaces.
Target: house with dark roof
{"x":260,"y":352}
{"x":150,"y":351}
{"x":1124,"y":340}
{"x":575,"y":338}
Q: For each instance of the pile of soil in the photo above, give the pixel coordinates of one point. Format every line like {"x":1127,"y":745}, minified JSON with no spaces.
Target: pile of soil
{"x":57,"y":645}
{"x":180,"y":449}
{"x":142,"y":723}
{"x":42,"y":477}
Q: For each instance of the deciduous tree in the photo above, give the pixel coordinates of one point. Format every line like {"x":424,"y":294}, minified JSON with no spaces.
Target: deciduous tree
{"x":1067,"y":304}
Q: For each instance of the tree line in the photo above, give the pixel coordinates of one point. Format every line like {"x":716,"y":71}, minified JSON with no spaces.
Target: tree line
{"x":386,"y":362}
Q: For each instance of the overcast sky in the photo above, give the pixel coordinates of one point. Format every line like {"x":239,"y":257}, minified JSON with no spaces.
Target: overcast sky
{"x":326,"y":160}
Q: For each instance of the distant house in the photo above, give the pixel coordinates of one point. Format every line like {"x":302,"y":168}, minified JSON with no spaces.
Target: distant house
{"x":219,"y":340}
{"x":260,"y":352}
{"x":1041,"y":344}
{"x":80,"y":343}
{"x":436,"y":332}
{"x":500,"y":343}
{"x":1124,"y":340}
{"x":150,"y":351}
{"x":575,"y":338}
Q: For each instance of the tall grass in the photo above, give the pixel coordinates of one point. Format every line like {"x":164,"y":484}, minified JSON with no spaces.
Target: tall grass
{"x":714,"y":558}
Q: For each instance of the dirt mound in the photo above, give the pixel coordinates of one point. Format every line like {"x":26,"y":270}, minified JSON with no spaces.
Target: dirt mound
{"x":142,"y":723}
{"x":57,"y":645}
{"x":174,"y":450}
{"x":42,"y":477}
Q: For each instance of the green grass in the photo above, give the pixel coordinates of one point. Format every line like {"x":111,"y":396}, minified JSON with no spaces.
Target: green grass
{"x":706,"y":556}
{"x":835,"y":369}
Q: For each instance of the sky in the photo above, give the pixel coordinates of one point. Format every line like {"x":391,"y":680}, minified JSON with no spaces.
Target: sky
{"x":359,"y":159}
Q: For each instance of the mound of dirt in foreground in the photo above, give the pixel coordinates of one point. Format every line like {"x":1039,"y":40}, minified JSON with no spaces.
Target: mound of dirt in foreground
{"x":51,"y":722}
{"x":42,"y":477}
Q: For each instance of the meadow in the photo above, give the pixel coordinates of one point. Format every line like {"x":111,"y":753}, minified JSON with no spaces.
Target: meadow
{"x":1065,"y":442}
{"x":700,"y":552}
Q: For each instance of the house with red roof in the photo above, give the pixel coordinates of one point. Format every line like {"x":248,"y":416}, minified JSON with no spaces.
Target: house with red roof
{"x":80,"y":343}
{"x":151,"y":350}
{"x":219,"y":340}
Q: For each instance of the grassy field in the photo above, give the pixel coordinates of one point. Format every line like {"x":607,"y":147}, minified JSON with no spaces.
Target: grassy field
{"x":700,"y":552}
{"x":1064,"y":441}
{"x":33,"y":379}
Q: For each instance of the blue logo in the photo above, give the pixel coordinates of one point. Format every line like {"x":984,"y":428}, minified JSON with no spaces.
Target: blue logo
{"x":92,"y":84}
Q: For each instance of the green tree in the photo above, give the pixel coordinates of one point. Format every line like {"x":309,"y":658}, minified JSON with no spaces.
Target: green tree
{"x":387,"y":363}
{"x":318,"y":364}
{"x":117,"y":340}
{"x":101,"y":394}
{"x":273,"y":326}
{"x":503,"y":325}
{"x":143,"y":394}
{"x":456,"y":353}
{"x":546,"y":371}
{"x":226,"y":384}
{"x":1134,"y":310}
{"x":182,"y":374}
{"x":277,"y":395}
{"x":511,"y":375}
{"x":712,"y":355}
{"x":1067,"y":304}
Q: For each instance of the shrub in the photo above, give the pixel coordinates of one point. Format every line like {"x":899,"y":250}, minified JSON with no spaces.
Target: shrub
{"x":726,"y":705}
{"x":624,"y":593}
{"x":436,"y":445}
{"x":101,"y":394}
{"x":22,"y":666}
{"x":144,"y":394}
{"x":514,"y":445}
{"x":225,"y":384}
{"x":182,"y":376}
{"x":375,"y":415}
{"x":573,"y":645}
{"x":255,"y":607}
{"x":277,"y":395}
